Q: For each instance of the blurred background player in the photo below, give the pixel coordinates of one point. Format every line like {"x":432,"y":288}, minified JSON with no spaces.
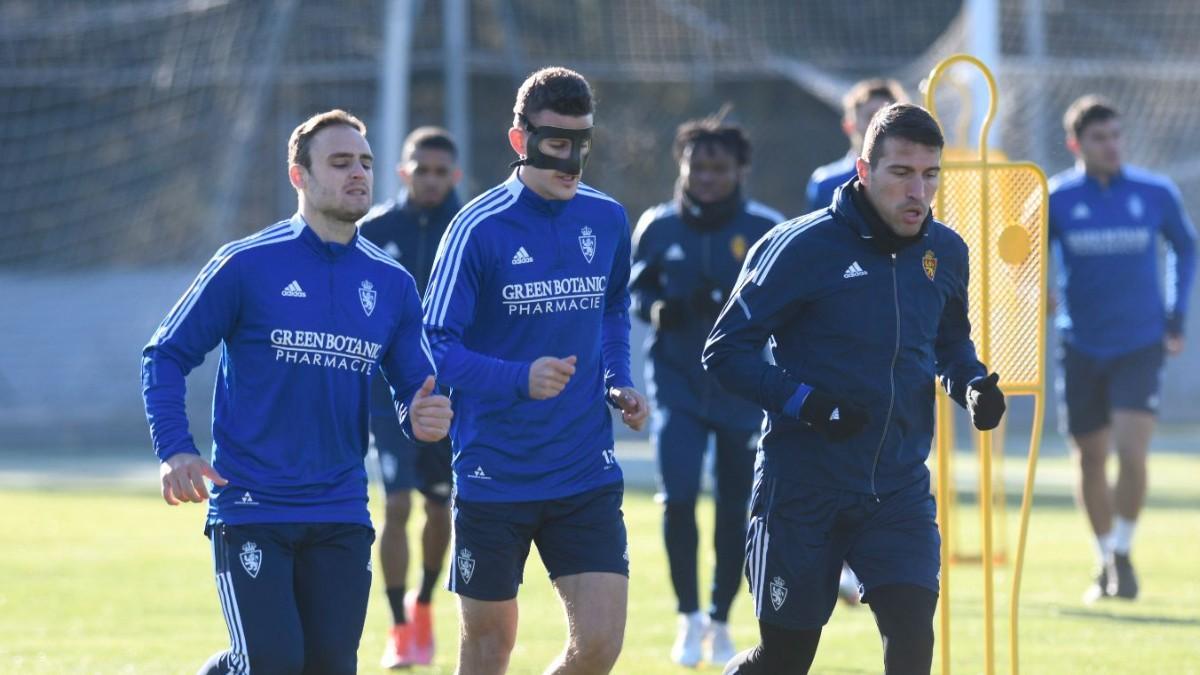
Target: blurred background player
{"x":1106,"y":220}
{"x":687,"y":254}
{"x":304,"y":311}
{"x":528,"y":317}
{"x":859,"y":105}
{"x":409,"y":229}
{"x":864,"y":302}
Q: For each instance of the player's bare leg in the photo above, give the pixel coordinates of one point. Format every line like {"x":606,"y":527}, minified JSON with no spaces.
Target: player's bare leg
{"x":1132,"y":430}
{"x":435,"y":539}
{"x":1090,"y":453}
{"x":596,"y":604}
{"x":487,"y":634}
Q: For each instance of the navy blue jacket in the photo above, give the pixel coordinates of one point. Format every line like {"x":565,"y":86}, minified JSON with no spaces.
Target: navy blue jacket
{"x":674,"y":260}
{"x":410,"y":235}
{"x":828,"y":178}
{"x":862,"y":325}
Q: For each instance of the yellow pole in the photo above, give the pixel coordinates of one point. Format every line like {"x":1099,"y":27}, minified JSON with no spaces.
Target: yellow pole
{"x":1026,"y":506}
{"x":945,"y":444}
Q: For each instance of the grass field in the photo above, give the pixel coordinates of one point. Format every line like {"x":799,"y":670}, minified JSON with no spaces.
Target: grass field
{"x":108,"y":581}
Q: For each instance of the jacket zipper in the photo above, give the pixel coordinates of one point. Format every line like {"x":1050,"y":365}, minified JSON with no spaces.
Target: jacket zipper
{"x":887,"y":420}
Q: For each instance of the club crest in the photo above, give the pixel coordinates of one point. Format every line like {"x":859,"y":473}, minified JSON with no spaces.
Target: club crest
{"x":587,"y":243}
{"x":251,"y":557}
{"x":778,"y":593}
{"x":466,"y":565}
{"x":737,"y":246}
{"x":366,"y":295}
{"x":929,"y":263}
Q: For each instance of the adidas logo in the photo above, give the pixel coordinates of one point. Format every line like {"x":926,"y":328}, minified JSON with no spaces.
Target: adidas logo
{"x":835,"y":415}
{"x":854,"y":270}
{"x":522,"y":257}
{"x":293,"y":290}
{"x":1081,"y":212}
{"x":674,"y":252}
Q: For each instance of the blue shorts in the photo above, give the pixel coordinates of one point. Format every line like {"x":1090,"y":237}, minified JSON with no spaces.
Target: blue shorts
{"x":1090,"y":388}
{"x":406,"y":465}
{"x":800,"y":534}
{"x":576,"y":534}
{"x":273,"y":581}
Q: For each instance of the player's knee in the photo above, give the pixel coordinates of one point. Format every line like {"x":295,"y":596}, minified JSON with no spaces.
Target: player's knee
{"x":679,"y":507}
{"x":398,"y":507}
{"x":596,"y":651}
{"x":437,"y":512}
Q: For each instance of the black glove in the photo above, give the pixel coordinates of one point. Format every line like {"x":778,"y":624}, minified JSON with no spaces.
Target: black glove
{"x":835,"y":420}
{"x":708,"y":301}
{"x":668,"y":313}
{"x":985,"y":402}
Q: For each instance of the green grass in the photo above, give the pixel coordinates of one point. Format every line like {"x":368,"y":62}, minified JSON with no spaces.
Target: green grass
{"x":112,"y":582}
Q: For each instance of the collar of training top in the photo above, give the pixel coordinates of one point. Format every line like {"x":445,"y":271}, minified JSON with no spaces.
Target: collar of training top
{"x":534,"y":157}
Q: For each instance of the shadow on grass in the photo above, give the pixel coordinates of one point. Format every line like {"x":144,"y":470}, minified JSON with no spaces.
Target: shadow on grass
{"x":1105,"y":615}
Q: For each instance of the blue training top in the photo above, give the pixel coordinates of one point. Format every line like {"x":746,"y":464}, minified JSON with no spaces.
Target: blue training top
{"x":1105,"y":243}
{"x":302,"y":325}
{"x":518,"y":277}
{"x":826,"y":179}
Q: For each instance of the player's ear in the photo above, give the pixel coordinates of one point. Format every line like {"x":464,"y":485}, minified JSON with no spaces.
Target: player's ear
{"x":457,"y":175}
{"x":863,"y":168}
{"x":1073,"y":145}
{"x":849,"y":127}
{"x":516,"y":140}
{"x":297,"y":176}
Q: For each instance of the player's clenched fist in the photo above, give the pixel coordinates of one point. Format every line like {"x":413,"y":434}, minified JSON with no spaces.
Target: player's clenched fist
{"x":548,"y":376}
{"x":183,"y":477}
{"x":430,"y":413}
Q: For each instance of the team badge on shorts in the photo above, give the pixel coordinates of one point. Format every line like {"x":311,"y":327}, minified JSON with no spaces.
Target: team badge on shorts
{"x":587,"y":243}
{"x":251,"y":557}
{"x":466,"y":565}
{"x":778,"y":593}
{"x":366,"y":295}
{"x":929,"y":263}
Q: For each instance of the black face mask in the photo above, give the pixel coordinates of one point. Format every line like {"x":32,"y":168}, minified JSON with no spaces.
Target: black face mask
{"x":534,"y":157}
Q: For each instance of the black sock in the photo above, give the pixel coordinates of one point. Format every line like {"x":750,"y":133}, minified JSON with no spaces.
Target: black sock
{"x":396,"y":600}
{"x":428,"y":583}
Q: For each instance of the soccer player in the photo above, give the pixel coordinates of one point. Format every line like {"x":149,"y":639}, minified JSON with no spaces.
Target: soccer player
{"x":409,"y":229}
{"x":528,"y":316}
{"x":305,"y":312}
{"x":687,"y":253}
{"x":859,"y":104}
{"x":1106,"y":219}
{"x":863,"y":303}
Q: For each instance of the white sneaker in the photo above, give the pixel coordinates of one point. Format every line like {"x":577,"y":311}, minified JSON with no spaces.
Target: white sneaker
{"x":718,"y":645}
{"x":688,"y":636}
{"x":848,"y":588}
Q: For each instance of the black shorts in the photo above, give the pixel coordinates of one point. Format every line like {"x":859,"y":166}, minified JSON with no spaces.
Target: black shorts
{"x":406,"y":465}
{"x":576,"y":534}
{"x":1090,"y":388}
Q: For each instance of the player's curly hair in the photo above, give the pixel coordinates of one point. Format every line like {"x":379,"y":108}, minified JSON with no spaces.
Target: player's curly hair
{"x":557,"y":89}
{"x":302,"y":135}
{"x":713,"y":131}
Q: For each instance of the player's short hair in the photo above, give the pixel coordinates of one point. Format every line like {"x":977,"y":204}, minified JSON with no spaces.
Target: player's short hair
{"x":302,"y":135}
{"x":430,"y":138}
{"x":865,"y":90}
{"x":901,"y":120}
{"x":713,"y":132}
{"x":1087,"y":110}
{"x":556,"y":89}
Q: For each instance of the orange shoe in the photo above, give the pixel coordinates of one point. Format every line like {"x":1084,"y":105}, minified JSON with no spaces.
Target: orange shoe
{"x":397,"y":652}
{"x":420,"y":617}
